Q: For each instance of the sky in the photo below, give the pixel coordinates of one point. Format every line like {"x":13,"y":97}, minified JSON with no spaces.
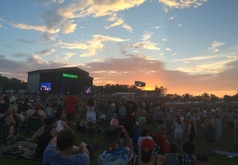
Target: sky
{"x":186,"y":46}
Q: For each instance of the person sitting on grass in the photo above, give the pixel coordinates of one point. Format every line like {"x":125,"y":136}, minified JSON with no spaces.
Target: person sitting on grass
{"x":60,"y":123}
{"x":116,"y":154}
{"x":43,"y":136}
{"x":7,"y":118}
{"x":82,"y":124}
{"x":202,"y":159}
{"x":147,"y":157}
{"x":188,"y":157}
{"x":172,"y":158}
{"x":62,"y":151}
{"x":37,"y":112}
{"x":18,"y":117}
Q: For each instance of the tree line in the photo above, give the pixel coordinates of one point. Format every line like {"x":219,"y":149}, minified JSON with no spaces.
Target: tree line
{"x":16,"y":85}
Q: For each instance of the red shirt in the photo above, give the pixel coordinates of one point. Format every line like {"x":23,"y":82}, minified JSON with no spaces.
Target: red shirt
{"x":160,"y":139}
{"x":70,"y":102}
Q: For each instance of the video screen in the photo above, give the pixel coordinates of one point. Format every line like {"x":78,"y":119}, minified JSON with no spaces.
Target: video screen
{"x":45,"y":86}
{"x":87,"y":90}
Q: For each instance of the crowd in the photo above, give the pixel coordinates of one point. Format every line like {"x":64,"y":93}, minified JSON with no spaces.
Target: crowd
{"x":141,"y":130}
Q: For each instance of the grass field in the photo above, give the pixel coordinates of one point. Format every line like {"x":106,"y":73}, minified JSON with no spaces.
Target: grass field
{"x":200,"y":143}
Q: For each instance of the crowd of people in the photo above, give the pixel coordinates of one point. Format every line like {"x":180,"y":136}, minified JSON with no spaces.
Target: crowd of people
{"x":140,"y":130}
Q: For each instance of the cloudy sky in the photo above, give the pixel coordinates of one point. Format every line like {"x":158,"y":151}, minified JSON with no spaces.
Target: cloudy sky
{"x":187,"y":46}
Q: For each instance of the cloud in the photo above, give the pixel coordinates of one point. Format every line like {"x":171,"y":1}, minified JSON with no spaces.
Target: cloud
{"x":61,"y":18}
{"x":118,"y":22}
{"x":153,"y":72}
{"x":113,"y":18}
{"x":168,"y":49}
{"x":127,"y":27}
{"x":215,"y":46}
{"x":25,"y":41}
{"x":157,"y":27}
{"x":81,"y":9}
{"x":181,"y":4}
{"x":136,"y":67}
{"x":172,"y":17}
{"x":200,"y":58}
{"x":146,"y":36}
{"x":48,"y":34}
{"x":101,"y":8}
{"x":210,"y":67}
{"x":29,"y":27}
{"x":47,"y":2}
{"x":92,"y":46}
{"x":69,"y":55}
{"x":19,"y":69}
{"x":68,"y":27}
{"x":112,"y":70}
{"x":45,"y":52}
{"x":20,"y":55}
{"x":146,"y":43}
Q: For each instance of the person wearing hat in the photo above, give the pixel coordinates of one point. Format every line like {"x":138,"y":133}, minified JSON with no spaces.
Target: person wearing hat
{"x":146,"y":157}
{"x":144,"y":135}
{"x":116,"y":154}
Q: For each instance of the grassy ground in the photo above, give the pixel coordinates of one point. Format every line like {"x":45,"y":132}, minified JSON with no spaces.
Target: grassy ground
{"x":201,"y":147}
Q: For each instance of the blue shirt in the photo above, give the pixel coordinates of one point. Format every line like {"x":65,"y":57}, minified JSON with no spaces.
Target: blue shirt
{"x":119,"y":156}
{"x":51,"y":157}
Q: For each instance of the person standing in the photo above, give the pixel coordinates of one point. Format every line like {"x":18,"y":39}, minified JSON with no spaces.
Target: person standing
{"x":217,"y":131}
{"x":91,"y":115}
{"x":125,"y":115}
{"x":190,"y":131}
{"x":70,"y":103}
{"x":132,"y":103}
{"x":209,"y":132}
{"x":235,"y":141}
{"x":178,"y":127}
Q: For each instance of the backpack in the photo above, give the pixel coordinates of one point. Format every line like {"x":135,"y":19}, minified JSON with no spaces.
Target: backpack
{"x":122,"y":111}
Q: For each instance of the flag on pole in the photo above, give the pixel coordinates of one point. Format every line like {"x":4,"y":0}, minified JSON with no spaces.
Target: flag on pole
{"x":140,"y":83}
